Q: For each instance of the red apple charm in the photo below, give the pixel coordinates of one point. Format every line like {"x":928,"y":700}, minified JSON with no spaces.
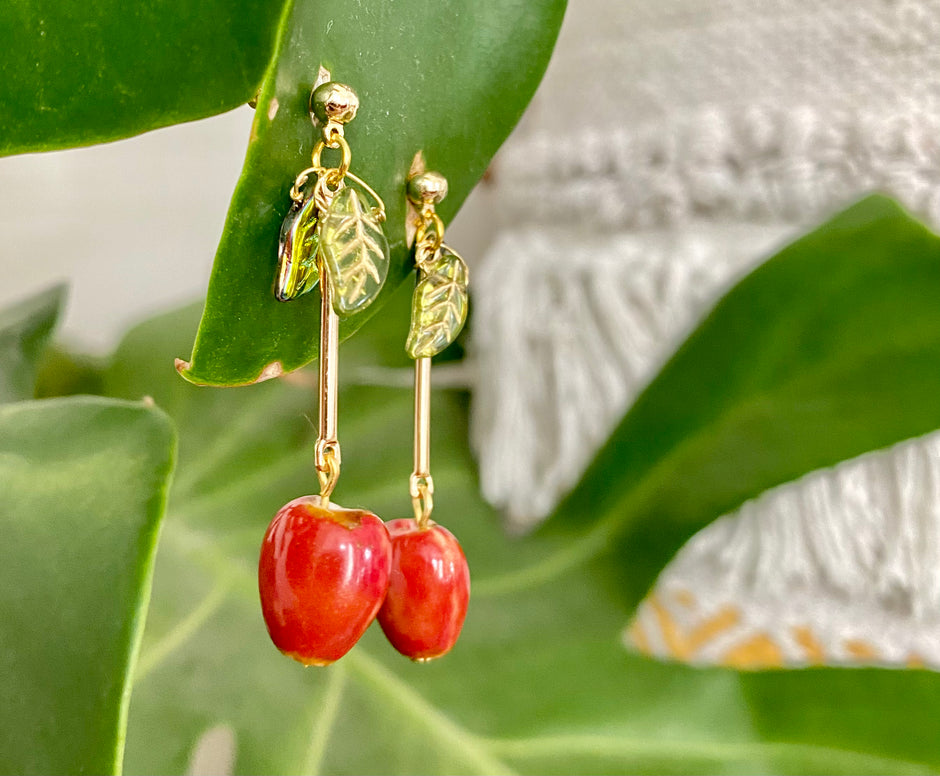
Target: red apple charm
{"x":428,"y":590}
{"x":322,"y":576}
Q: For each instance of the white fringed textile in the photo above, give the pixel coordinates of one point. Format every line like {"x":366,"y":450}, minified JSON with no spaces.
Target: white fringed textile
{"x":567,"y":330}
{"x":841,"y":566}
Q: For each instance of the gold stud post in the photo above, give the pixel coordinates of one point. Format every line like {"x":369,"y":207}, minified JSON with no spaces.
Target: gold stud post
{"x":427,"y":188}
{"x":333,"y":101}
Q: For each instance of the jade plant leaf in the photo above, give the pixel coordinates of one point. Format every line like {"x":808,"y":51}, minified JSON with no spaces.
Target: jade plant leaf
{"x":83,"y":491}
{"x":25,"y":329}
{"x":539,"y":681}
{"x":447,"y":79}
{"x":77,"y":73}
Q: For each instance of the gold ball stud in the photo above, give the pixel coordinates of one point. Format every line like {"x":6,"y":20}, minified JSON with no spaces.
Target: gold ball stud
{"x":335,"y":102}
{"x":427,"y":188}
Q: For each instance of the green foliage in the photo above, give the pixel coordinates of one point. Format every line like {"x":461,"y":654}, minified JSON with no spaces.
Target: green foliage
{"x":25,"y":329}
{"x":77,"y":73}
{"x":80,"y":506}
{"x":83,"y":486}
{"x":449,"y":79}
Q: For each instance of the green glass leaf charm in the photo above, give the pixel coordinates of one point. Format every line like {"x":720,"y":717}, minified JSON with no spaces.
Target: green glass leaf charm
{"x":439,"y":309}
{"x":355,"y":252}
{"x":297,"y":252}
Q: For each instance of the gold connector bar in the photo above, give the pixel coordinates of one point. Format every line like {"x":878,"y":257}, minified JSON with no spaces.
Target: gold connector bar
{"x":327,"y":454}
{"x":422,"y":451}
{"x":422,"y":486}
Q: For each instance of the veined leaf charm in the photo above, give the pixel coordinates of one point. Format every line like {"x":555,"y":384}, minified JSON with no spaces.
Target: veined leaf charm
{"x":439,"y":309}
{"x":297,"y":252}
{"x":354,"y":250}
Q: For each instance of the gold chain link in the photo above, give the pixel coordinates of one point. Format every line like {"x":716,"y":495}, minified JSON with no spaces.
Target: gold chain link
{"x":422,"y":498}
{"x":327,"y":462}
{"x":429,"y":236}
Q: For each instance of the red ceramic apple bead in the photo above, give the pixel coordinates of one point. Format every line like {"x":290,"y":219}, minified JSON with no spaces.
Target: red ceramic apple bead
{"x":428,"y":590}
{"x":322,"y":576}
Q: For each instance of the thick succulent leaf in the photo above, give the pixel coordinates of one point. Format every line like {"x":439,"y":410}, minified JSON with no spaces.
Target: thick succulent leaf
{"x":61,"y":372}
{"x":539,"y":682}
{"x":77,"y":73}
{"x":425,"y":74}
{"x":355,"y":252}
{"x":83,"y":492}
{"x":25,"y":329}
{"x":828,"y":350}
{"x":439,"y":310}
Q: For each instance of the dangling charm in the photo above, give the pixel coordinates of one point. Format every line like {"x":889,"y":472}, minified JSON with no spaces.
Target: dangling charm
{"x":324,"y":570}
{"x":429,"y":585}
{"x":439,"y":307}
{"x":330,"y":228}
{"x":297,"y":251}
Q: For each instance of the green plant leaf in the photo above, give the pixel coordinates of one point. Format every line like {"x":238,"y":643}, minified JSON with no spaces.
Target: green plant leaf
{"x":448,"y":79}
{"x":828,"y":350}
{"x":25,"y":329}
{"x":539,"y":682}
{"x":83,"y":487}
{"x":61,"y":372}
{"x":77,"y":73}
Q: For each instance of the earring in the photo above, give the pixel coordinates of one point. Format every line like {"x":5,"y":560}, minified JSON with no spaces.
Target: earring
{"x":323,"y":571}
{"x":429,"y":585}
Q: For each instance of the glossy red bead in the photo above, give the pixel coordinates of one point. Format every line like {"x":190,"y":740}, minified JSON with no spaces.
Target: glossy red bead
{"x":428,"y":590}
{"x":322,"y":576}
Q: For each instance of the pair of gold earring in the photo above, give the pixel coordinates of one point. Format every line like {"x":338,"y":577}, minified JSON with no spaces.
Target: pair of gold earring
{"x":325,"y":571}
